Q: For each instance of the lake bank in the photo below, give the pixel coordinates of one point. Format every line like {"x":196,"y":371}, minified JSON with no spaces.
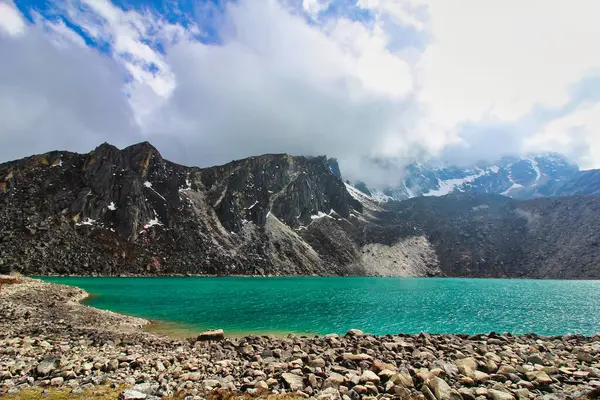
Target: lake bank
{"x":48,"y":339}
{"x":322,"y":305}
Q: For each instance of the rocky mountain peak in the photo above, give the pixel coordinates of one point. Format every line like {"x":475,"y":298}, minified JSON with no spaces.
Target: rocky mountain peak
{"x":133,"y":198}
{"x":294,"y":189}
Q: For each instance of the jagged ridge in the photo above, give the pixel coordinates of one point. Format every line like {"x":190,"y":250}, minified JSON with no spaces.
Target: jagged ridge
{"x":117,"y":211}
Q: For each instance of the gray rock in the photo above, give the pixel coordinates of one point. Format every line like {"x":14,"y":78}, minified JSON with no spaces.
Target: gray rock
{"x":467,"y":366}
{"x":356,"y":357}
{"x":403,"y":379}
{"x":441,"y":390}
{"x":539,"y":377}
{"x":333,"y":380}
{"x":293,"y":381}
{"x":585,"y":357}
{"x":57,"y":381}
{"x":329,"y":394}
{"x":317,"y":362}
{"x":535,"y":359}
{"x":48,"y":365}
{"x":130,"y":394}
{"x":369,"y":376}
{"x":146,"y":387}
{"x":211,"y":335}
{"x":500,"y":395}
{"x":261,"y":385}
{"x":355,"y":332}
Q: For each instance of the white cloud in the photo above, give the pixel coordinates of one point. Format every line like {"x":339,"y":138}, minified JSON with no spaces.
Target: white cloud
{"x":278,"y":84}
{"x":58,"y":31}
{"x":54,"y":97}
{"x":11,"y":21}
{"x":418,"y":78}
{"x":380,"y":71}
{"x":128,"y":33}
{"x":314,"y":7}
{"x":402,"y":12}
{"x":497,"y":59}
{"x":578,"y":133}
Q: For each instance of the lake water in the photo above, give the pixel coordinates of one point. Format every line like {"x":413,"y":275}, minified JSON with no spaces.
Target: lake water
{"x":324,"y":305}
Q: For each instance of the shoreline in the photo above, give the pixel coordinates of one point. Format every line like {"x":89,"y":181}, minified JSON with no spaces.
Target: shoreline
{"x":49,"y":339}
{"x":309,"y":276}
{"x":179,"y":330}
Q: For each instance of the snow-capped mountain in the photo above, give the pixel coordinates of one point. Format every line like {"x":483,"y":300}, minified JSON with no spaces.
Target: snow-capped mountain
{"x":540,"y":175}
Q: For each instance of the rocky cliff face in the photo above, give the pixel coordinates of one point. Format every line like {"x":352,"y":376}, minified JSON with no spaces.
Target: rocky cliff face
{"x":130,"y":211}
{"x":117,"y":211}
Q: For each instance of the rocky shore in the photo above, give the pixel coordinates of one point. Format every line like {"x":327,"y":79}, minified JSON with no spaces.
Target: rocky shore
{"x":48,"y":340}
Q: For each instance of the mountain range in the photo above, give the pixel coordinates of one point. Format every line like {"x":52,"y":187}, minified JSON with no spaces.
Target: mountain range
{"x":538,"y":175}
{"x":130,"y":211}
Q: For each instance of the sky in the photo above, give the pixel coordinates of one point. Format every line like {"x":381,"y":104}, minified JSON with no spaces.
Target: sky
{"x":209,"y":81}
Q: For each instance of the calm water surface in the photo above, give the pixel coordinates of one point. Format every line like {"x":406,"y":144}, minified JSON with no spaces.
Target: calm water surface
{"x":375,"y":305}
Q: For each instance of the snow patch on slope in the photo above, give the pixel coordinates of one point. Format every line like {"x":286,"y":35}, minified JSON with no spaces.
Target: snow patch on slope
{"x":152,"y":223}
{"x":450,"y":185}
{"x":514,"y":185}
{"x":321,"y":214}
{"x":357,"y":194}
{"x":536,"y":168}
{"x":409,"y":191}
{"x":379,"y":196}
{"x":87,"y":221}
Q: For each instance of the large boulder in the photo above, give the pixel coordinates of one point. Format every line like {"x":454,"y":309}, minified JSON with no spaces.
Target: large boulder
{"x":500,"y":395}
{"x":293,"y":382}
{"x":355,"y":333}
{"x":441,"y":390}
{"x":211,"y":335}
{"x":131,"y":394}
{"x":467,"y":366}
{"x":48,"y":365}
{"x":369,"y":376}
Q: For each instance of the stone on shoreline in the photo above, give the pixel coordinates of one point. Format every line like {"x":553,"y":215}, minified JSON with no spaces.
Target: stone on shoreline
{"x":355,"y":332}
{"x":211,"y":335}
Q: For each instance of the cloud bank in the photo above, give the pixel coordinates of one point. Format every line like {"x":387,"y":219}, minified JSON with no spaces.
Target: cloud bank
{"x":358,"y":80}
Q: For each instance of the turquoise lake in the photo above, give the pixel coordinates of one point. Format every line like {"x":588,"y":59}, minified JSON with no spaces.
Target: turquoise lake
{"x":324,"y":305}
